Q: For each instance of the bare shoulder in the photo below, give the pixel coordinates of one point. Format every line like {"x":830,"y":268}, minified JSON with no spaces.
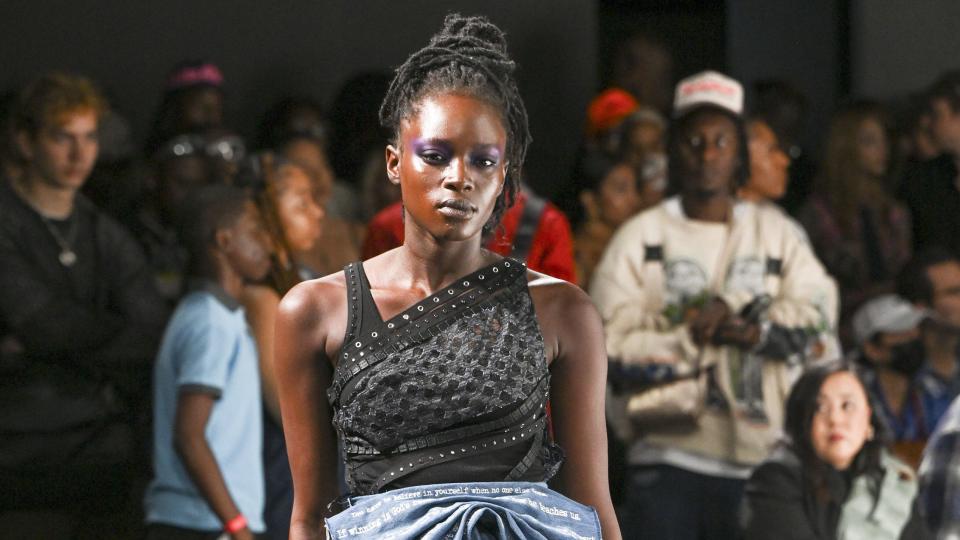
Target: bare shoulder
{"x":314,"y":313}
{"x":568,"y":320}
{"x":315,"y":296}
{"x":550,"y":293}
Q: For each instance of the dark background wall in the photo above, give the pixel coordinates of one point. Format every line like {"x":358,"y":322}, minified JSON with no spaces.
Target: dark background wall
{"x":828,"y":48}
{"x":268,"y":49}
{"x":899,"y":46}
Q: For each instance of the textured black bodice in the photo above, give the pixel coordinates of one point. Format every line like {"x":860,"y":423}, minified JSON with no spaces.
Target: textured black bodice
{"x":453,"y":389}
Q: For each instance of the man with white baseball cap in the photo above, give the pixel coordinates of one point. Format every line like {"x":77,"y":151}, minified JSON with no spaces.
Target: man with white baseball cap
{"x":707,"y":284}
{"x":887,"y":332}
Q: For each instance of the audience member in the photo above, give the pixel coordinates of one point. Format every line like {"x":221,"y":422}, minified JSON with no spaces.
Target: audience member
{"x":293,"y":218}
{"x":832,"y":477}
{"x":376,"y":190}
{"x":192,"y":102}
{"x":208,"y":474}
{"x":77,"y":307}
{"x":532,"y":230}
{"x":931,"y":281}
{"x":728,"y":291}
{"x":784,"y":108}
{"x":938,"y":502}
{"x":182,"y":165}
{"x":605,"y":115}
{"x":355,"y":124}
{"x":294,"y":128}
{"x":643,"y":66}
{"x":931,"y":189}
{"x":888,"y":346}
{"x":611,"y":193}
{"x":768,"y":178}
{"x":641,"y":135}
{"x":858,"y":230}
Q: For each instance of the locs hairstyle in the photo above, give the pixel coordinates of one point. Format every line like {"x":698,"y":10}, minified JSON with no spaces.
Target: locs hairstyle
{"x":468,"y":55}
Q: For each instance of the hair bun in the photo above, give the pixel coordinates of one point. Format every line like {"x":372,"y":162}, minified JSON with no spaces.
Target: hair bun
{"x":473,"y":28}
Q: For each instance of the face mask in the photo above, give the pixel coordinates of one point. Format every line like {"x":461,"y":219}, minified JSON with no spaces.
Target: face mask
{"x":907,"y":358}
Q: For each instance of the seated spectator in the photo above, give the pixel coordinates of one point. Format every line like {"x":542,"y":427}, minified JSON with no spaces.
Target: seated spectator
{"x":931,"y":281}
{"x":832,"y":477}
{"x":532,"y":230}
{"x":768,"y":164}
{"x":192,"y":102}
{"x":858,"y":230}
{"x":611,"y":193}
{"x":208,"y":473}
{"x":930,"y":189}
{"x":887,"y":332}
{"x":77,"y":307}
{"x":284,"y":195}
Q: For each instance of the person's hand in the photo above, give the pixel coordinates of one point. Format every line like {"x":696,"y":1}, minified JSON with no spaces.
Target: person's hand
{"x":738,"y":333}
{"x":704,"y":325}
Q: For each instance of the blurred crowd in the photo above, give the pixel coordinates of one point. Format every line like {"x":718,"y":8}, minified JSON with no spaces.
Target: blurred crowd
{"x":783,"y":323}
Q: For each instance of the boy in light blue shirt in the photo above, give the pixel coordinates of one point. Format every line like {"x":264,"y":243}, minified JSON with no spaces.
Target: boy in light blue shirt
{"x":207,"y":412}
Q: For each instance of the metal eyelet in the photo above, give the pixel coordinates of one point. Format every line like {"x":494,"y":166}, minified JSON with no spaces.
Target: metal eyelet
{"x":358,"y":344}
{"x":419,"y":308}
{"x":374,"y":334}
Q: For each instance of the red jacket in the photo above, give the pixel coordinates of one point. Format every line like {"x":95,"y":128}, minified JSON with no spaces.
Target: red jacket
{"x":551,"y":251}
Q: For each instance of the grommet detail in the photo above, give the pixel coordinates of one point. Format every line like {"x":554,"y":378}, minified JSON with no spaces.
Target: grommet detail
{"x":358,"y":344}
{"x":374,"y":334}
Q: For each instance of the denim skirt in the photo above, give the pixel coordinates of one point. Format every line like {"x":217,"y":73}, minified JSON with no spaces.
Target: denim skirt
{"x":467,"y":511}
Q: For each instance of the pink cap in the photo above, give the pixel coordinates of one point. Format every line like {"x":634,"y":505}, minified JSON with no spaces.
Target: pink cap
{"x":195,"y":75}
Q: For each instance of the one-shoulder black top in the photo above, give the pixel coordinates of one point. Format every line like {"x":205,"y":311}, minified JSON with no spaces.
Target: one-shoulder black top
{"x":453,"y":389}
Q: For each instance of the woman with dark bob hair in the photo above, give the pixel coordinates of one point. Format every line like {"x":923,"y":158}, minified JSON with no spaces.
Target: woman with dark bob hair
{"x":832,"y":478}
{"x":434,"y":363}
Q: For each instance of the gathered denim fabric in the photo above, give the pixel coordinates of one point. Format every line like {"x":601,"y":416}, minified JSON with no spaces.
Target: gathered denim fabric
{"x":466,"y":511}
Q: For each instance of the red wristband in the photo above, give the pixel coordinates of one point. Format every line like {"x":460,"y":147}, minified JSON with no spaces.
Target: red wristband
{"x":236,"y":524}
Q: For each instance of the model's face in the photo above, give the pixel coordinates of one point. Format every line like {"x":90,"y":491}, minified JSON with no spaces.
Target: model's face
{"x":247,"y":245}
{"x":61,"y":155}
{"x":841,"y":423}
{"x":300,"y":215}
{"x":312,"y":157}
{"x":709,"y":154}
{"x":945,"y":126}
{"x":872,"y":148}
{"x":945,"y":278}
{"x":451,"y":165}
{"x":201,"y":108}
{"x":618,"y":195}
{"x":768,"y":162}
